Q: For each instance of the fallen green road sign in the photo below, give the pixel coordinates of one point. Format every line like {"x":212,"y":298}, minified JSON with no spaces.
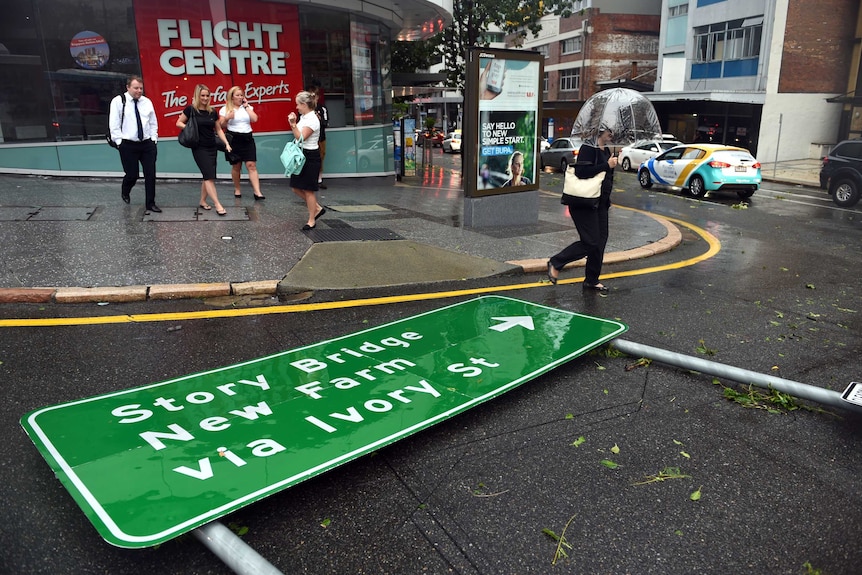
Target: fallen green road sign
{"x":151,"y":463}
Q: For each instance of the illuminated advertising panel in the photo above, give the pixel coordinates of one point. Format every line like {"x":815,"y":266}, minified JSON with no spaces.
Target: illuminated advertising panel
{"x":504,"y":117}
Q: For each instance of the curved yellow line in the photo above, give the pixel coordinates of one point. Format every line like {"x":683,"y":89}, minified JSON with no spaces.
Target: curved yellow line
{"x":714,"y":248}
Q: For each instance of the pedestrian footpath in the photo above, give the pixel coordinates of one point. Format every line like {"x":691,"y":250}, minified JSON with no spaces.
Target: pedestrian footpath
{"x":72,"y":240}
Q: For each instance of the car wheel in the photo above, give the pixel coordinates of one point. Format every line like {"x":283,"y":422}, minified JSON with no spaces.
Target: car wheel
{"x":564,"y":165}
{"x":364,"y":163}
{"x":745,"y":194}
{"x":696,"y":187}
{"x":644,"y":179}
{"x":845,"y":193}
{"x":627,"y":165}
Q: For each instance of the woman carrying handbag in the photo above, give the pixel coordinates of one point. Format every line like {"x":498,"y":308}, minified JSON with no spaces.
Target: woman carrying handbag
{"x":591,"y":222}
{"x":205,"y":153}
{"x":306,"y":128}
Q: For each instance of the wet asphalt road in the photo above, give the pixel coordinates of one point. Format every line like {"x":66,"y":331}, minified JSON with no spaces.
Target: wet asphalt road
{"x":473,"y":494}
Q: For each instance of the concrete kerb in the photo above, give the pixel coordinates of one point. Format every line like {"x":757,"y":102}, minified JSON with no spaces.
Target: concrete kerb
{"x":126,"y":294}
{"x":137,"y":293}
{"x":667,"y":243}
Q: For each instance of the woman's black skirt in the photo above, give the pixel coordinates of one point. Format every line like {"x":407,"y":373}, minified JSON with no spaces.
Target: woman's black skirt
{"x":307,"y":178}
{"x":243,"y":148}
{"x":205,"y":158}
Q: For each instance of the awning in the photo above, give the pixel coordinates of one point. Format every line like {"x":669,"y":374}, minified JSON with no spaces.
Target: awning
{"x":848,"y":98}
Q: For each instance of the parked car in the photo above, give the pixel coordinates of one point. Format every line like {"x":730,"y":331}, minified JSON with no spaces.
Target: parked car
{"x":452,"y":142}
{"x":841,"y":173}
{"x":561,"y":153}
{"x":643,"y":150}
{"x":435,"y":136}
{"x":702,"y":168}
{"x":371,"y":154}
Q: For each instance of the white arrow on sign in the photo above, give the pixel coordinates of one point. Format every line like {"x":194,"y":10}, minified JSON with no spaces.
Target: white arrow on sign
{"x":509,"y":322}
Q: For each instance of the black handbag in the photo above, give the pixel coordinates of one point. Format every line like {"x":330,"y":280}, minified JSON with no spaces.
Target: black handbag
{"x":220,"y":146}
{"x":189,"y":137}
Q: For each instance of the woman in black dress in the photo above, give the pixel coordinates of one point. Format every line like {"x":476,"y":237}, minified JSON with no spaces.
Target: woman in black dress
{"x":206,"y":152}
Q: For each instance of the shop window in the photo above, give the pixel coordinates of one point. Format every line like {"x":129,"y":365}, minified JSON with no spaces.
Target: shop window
{"x":326,"y":60}
{"x":73,"y":58}
{"x":345,"y":57}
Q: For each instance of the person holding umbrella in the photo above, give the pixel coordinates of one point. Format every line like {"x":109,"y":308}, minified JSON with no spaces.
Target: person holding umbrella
{"x":594,"y":157}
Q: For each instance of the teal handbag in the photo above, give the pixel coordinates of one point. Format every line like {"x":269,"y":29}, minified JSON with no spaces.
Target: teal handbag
{"x":292,"y":157}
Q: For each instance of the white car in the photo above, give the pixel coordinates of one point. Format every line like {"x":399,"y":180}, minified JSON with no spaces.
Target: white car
{"x":452,"y":142}
{"x":634,"y":155}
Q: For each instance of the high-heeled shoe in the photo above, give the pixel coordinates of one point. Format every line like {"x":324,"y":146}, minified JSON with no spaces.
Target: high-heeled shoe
{"x":550,"y":277}
{"x":260,"y":197}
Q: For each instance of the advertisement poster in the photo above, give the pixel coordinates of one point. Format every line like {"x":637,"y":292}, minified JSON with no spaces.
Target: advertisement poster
{"x":409,"y":147}
{"x":508,"y":93}
{"x":254,"y":45}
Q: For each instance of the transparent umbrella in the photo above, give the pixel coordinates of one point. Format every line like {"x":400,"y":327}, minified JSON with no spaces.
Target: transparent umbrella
{"x":625,"y":112}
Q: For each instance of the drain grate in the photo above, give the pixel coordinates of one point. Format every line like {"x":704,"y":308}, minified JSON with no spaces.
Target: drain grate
{"x":351,"y":235}
{"x":192,"y":214}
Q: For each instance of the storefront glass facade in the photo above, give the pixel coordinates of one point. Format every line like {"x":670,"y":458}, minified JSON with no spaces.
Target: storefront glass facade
{"x":62,"y":61}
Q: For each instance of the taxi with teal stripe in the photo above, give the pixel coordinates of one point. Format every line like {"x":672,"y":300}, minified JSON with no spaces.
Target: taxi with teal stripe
{"x":701,"y":168}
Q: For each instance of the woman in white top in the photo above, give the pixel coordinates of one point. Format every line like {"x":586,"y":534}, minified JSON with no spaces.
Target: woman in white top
{"x":236,"y":118}
{"x":307,"y":127}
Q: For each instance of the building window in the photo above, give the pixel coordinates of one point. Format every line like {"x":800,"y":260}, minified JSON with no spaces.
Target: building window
{"x":727,"y":50}
{"x":744,"y":41}
{"x":546,"y":82}
{"x":571,"y":45}
{"x":709,"y":43}
{"x":734,"y":40}
{"x":675,"y":11}
{"x":544,"y":50}
{"x":493,"y":37}
{"x":570,"y":80}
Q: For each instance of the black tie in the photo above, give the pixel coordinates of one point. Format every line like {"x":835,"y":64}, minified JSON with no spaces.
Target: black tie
{"x":138,"y":120}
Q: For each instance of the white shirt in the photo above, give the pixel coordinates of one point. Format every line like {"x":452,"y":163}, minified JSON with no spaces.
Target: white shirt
{"x":129,"y":129}
{"x":241,"y":122}
{"x":312,"y":121}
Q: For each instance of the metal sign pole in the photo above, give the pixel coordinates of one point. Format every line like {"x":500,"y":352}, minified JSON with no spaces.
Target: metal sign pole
{"x":233,"y":551}
{"x":777,"y":143}
{"x":800,"y":390}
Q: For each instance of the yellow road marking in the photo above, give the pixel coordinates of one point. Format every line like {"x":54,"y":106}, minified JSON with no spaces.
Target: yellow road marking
{"x":714,"y":248}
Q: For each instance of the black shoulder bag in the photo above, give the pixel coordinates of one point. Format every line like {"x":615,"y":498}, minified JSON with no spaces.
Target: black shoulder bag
{"x":189,"y":137}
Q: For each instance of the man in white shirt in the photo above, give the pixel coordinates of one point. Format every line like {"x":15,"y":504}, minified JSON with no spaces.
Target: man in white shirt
{"x":135,"y":130}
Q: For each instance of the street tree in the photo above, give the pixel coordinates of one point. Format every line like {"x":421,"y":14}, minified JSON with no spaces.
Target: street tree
{"x":472,"y":19}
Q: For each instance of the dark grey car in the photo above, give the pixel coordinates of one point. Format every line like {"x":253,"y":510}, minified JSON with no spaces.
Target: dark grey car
{"x":841,"y":173}
{"x":562,"y":153}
